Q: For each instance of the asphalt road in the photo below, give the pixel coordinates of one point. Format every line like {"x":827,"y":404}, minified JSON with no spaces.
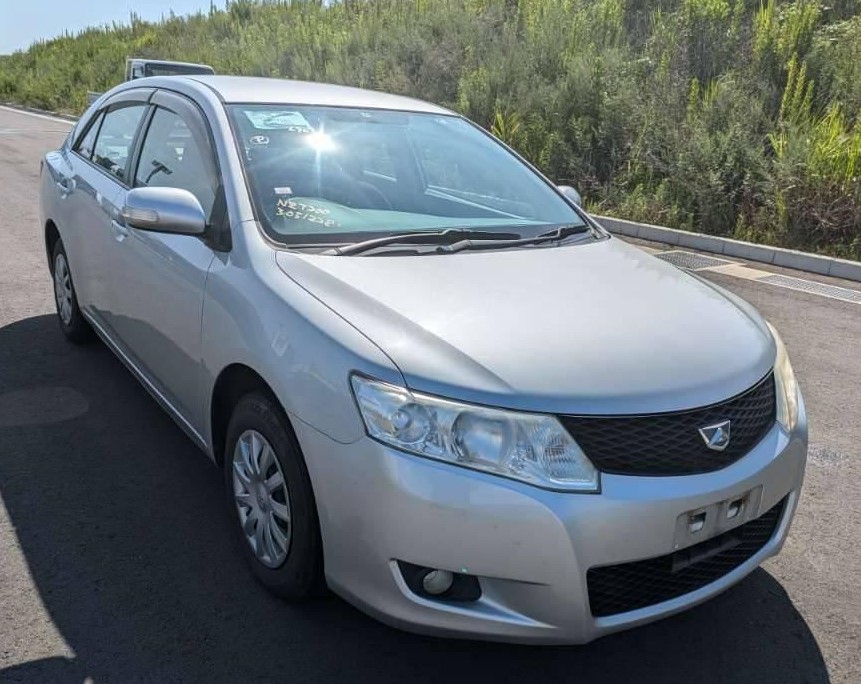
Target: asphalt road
{"x":116,"y":564}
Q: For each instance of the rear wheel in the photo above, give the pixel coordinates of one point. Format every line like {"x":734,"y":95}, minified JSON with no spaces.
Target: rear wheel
{"x":72,"y":321}
{"x":271,"y":500}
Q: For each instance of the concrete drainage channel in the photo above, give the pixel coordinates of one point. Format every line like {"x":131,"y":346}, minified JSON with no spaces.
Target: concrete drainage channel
{"x":691,"y":260}
{"x":701,"y":262}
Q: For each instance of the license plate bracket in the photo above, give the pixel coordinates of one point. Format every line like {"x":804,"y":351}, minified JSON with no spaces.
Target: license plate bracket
{"x":701,"y":524}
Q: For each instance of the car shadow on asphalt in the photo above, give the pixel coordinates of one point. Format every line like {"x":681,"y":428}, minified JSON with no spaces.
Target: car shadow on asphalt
{"x":122,"y":524}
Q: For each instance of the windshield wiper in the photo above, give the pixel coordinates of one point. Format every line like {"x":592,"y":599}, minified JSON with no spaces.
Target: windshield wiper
{"x":552,"y":236}
{"x":449,"y":236}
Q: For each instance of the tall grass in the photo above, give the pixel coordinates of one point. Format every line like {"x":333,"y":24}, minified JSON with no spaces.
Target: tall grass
{"x":734,"y":117}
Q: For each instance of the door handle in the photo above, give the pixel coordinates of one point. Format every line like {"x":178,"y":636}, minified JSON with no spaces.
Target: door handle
{"x":120,"y":231}
{"x":66,"y":185}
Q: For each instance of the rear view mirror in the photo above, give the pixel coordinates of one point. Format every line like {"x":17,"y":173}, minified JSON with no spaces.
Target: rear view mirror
{"x":164,"y":210}
{"x":571,"y":194}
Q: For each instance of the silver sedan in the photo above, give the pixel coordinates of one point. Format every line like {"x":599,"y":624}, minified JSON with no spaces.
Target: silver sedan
{"x":432,"y":381}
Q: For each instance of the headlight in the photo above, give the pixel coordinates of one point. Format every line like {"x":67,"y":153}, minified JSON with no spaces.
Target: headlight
{"x":521,"y":446}
{"x":787,"y":386}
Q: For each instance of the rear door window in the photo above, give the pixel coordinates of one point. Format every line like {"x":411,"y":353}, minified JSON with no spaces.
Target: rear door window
{"x":115,"y":138}
{"x":84,"y":145}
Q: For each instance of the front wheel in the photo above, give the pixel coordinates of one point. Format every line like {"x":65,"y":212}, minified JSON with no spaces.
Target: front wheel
{"x":72,"y":321}
{"x":271,"y":500}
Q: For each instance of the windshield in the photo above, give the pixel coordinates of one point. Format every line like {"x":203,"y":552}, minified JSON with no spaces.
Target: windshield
{"x":322,"y":175}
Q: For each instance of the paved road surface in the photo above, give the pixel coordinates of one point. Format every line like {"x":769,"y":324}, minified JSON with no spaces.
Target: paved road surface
{"x":115,"y":562}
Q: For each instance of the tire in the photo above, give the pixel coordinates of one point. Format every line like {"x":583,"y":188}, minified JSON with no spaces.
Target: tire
{"x":72,"y":321}
{"x":299,"y":575}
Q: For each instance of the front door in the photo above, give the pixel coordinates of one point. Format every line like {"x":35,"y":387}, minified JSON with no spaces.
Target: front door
{"x":160,"y":278}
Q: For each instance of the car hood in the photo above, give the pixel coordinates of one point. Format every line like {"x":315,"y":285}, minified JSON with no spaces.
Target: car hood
{"x":594,"y":328}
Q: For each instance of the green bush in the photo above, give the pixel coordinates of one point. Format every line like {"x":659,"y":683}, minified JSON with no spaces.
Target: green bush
{"x":733,"y":117}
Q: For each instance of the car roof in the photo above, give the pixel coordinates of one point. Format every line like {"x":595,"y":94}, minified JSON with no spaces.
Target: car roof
{"x":248,"y":89}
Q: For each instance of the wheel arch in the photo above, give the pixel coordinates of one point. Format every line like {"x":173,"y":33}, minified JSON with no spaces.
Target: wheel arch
{"x":52,"y":236}
{"x":234,"y":382}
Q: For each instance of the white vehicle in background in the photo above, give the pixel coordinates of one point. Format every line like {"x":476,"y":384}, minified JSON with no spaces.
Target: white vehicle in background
{"x":137,"y":67}
{"x":141,"y":68}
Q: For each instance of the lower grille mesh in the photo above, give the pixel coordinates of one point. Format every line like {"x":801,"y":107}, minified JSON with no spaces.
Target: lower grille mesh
{"x":621,"y":588}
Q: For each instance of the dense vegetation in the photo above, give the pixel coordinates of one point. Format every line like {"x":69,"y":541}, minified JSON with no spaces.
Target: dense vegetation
{"x":733,"y":117}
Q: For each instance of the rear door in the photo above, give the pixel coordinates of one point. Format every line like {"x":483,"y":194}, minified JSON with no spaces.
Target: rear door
{"x":100,"y":174}
{"x":73,"y":208}
{"x":159,"y":278}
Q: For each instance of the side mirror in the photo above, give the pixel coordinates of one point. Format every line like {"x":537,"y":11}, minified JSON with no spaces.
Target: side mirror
{"x":164,"y":210}
{"x":571,"y":194}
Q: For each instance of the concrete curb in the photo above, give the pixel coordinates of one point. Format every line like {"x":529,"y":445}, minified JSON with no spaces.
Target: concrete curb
{"x":788,"y":258}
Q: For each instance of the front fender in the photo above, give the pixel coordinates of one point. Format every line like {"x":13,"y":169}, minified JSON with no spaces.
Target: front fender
{"x":254,"y":315}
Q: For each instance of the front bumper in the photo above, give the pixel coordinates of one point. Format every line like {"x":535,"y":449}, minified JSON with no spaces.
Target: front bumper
{"x":530,"y":548}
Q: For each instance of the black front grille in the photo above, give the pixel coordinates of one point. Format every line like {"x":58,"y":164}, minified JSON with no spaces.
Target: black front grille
{"x":670,"y":443}
{"x":619,"y":588}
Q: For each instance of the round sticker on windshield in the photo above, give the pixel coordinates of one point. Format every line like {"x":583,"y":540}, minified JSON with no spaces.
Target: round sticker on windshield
{"x":259,"y":140}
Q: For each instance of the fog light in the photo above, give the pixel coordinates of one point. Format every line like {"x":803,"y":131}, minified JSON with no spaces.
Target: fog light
{"x":440,"y":585}
{"x":437,"y":582}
